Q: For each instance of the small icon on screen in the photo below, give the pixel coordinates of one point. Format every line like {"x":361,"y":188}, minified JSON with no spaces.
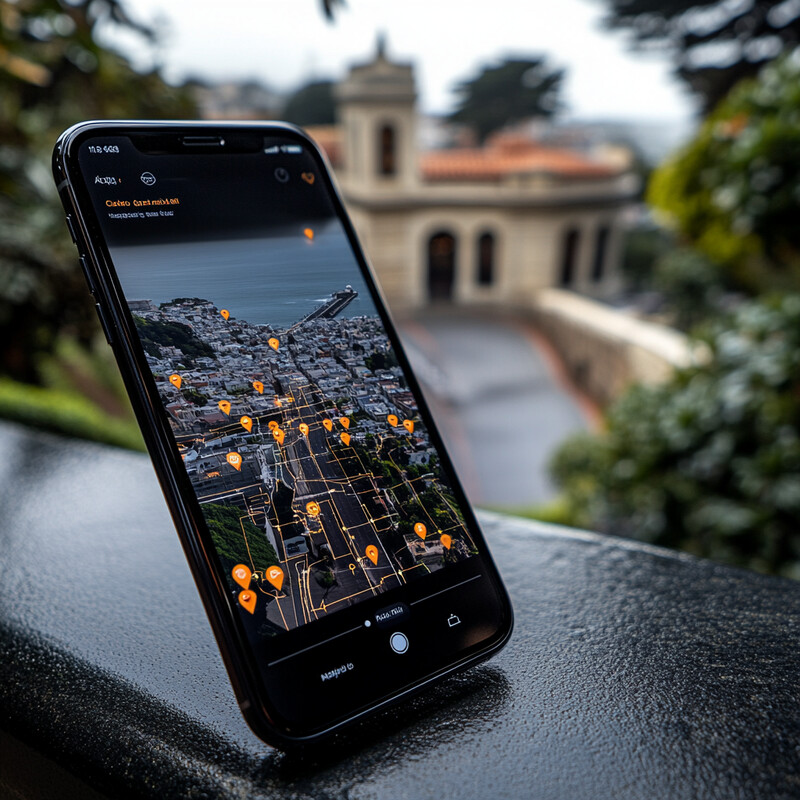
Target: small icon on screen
{"x":148,"y":179}
{"x":271,"y":151}
{"x":281,"y":175}
{"x":453,"y":620}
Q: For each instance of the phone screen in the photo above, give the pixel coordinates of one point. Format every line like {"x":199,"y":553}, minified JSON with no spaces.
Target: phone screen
{"x":329,"y":504}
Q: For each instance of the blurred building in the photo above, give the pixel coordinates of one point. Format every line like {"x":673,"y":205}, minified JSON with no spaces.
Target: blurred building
{"x":482,"y":225}
{"x":232,"y":100}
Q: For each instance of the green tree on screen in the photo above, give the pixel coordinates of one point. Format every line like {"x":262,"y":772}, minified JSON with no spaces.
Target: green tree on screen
{"x":157,"y":333}
{"x":237,"y":538}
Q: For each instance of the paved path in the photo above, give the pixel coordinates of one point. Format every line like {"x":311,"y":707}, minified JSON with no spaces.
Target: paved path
{"x":495,"y":393}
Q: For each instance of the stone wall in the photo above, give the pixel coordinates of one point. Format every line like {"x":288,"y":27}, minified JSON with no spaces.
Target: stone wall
{"x":605,"y":350}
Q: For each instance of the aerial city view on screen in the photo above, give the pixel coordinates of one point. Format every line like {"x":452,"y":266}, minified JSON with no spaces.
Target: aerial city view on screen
{"x":303,"y":443}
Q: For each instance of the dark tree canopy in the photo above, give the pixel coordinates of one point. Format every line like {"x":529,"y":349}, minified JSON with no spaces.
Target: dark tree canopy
{"x":714,"y":43}
{"x":312,"y":104}
{"x":512,"y":91}
{"x":55,"y":71}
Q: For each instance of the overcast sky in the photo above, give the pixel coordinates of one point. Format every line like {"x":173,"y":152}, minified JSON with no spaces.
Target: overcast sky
{"x":288,"y":42}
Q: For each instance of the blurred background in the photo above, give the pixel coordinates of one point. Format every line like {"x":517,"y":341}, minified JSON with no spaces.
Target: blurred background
{"x":583,"y":215}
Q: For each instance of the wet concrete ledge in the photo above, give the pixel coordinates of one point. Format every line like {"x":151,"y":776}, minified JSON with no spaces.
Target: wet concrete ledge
{"x":633,"y":672}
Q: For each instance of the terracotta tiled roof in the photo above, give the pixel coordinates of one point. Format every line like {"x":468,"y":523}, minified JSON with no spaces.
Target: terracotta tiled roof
{"x":503,"y":156}
{"x":507,"y":155}
{"x":329,"y":138}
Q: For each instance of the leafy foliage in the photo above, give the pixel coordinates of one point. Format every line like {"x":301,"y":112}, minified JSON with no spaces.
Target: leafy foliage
{"x":156,"y":334}
{"x":381,"y":360}
{"x":692,"y":286}
{"x":710,"y":461}
{"x":58,"y":410}
{"x":53,"y":73}
{"x":81,"y":394}
{"x":714,"y":43}
{"x":512,"y":91}
{"x":733,"y":191}
{"x":195,"y":397}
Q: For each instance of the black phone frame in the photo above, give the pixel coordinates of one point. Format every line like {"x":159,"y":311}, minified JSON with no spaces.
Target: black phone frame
{"x":250,"y":691}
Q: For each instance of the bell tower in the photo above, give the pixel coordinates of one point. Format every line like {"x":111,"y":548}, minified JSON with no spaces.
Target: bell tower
{"x":377,"y":111}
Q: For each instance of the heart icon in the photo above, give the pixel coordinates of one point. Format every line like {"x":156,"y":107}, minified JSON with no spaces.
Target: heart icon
{"x":308,"y":177}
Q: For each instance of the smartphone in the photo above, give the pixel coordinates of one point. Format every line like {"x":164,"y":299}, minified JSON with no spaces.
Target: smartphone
{"x":334,"y":550}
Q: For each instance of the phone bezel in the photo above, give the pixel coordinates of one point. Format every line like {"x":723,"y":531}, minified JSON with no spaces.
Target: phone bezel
{"x":251,"y":693}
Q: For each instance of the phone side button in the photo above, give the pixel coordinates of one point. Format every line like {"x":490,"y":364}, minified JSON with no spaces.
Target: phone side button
{"x":71,"y":228}
{"x":86,"y":273}
{"x":103,"y":324}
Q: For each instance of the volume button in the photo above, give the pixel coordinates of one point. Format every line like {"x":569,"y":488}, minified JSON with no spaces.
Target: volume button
{"x":71,"y":228}
{"x":103,"y":324}
{"x":86,"y":273}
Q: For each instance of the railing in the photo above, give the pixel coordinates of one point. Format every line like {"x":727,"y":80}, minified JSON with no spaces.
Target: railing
{"x":632,"y":672}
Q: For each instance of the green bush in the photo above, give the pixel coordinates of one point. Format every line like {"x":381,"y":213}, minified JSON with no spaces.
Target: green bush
{"x":55,"y":70}
{"x":642,"y":247}
{"x":708,"y":462}
{"x":65,"y":412}
{"x":734,"y":191}
{"x":692,"y":286}
{"x":237,"y":539}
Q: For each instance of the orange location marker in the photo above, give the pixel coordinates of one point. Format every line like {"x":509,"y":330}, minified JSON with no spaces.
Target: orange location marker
{"x":273,"y":343}
{"x":278,"y":402}
{"x":312,"y":508}
{"x":421,"y":530}
{"x":272,"y":425}
{"x":446,"y":540}
{"x":345,"y":422}
{"x":408,"y":425}
{"x":225,"y":313}
{"x":309,"y":234}
{"x":224,"y":407}
{"x":235,"y":460}
{"x":372,"y":553}
{"x":175,"y":380}
{"x":278,"y":435}
{"x":275,"y":577}
{"x":392,"y":420}
{"x":328,"y":424}
{"x":247,"y":600}
{"x":345,"y":437}
{"x":241,"y":574}
{"x":258,"y":386}
{"x":303,"y":428}
{"x":246,"y":422}
{"x":308,"y":177}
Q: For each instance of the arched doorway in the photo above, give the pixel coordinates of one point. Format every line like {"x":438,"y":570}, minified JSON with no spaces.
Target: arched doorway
{"x":441,"y":266}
